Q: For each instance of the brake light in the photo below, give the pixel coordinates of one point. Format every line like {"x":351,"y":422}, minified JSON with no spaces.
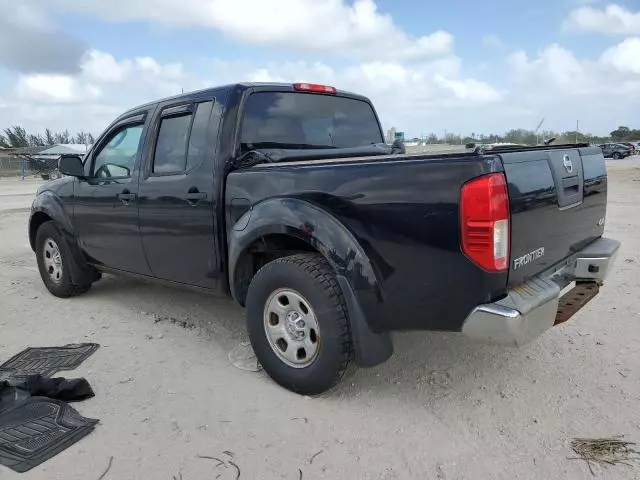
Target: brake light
{"x":314,"y":87}
{"x":484,"y":208}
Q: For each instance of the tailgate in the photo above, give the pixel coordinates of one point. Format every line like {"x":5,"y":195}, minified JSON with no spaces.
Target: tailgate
{"x":558,"y":203}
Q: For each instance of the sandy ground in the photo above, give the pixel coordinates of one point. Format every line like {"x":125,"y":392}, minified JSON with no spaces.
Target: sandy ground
{"x":16,"y":194}
{"x":441,"y":408}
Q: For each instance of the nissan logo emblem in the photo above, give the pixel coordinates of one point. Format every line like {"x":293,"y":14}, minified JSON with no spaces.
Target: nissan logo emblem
{"x":568,"y":165}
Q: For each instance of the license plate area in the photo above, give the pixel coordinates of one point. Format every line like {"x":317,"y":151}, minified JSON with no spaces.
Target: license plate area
{"x":575,"y":299}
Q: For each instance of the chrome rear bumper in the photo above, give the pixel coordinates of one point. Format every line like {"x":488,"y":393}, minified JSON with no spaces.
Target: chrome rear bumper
{"x":530,"y":309}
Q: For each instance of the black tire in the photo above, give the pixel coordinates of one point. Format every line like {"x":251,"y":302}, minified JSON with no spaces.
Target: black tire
{"x":616,"y":156}
{"x":311,"y":276}
{"x":58,"y":282}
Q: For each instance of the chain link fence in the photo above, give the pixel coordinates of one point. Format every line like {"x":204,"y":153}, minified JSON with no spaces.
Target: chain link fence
{"x":10,"y":166}
{"x":28,"y":166}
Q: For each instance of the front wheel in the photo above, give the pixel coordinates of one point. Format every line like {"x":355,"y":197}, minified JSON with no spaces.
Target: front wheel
{"x":54,"y":263}
{"x":616,"y":156}
{"x":297,"y":323}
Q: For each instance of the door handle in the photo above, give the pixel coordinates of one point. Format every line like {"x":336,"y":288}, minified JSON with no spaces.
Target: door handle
{"x":193,"y":196}
{"x":196,"y":196}
{"x":126,"y":196}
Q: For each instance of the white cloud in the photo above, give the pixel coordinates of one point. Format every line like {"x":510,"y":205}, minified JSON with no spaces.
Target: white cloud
{"x":103,"y":67}
{"x":335,"y":27}
{"x":417,"y":97}
{"x":554,"y":65}
{"x":556,"y":71}
{"x":612,"y":20}
{"x":401,"y":92}
{"x":625,"y":56}
{"x":141,"y":77}
{"x":55,"y":89}
{"x":103,"y":88}
{"x":469,"y":89}
{"x":561,"y":87}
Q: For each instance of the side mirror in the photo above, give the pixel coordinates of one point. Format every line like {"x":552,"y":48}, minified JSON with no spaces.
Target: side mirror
{"x":70,"y":164}
{"x":398,"y":148}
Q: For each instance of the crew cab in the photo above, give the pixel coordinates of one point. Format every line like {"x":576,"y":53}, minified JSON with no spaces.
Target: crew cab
{"x":284,"y":197}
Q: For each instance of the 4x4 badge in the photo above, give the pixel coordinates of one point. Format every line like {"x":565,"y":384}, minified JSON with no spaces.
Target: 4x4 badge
{"x":567,"y":163}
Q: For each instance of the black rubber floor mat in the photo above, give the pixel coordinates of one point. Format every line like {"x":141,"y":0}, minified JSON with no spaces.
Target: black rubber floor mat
{"x":46,"y":361}
{"x":38,"y":429}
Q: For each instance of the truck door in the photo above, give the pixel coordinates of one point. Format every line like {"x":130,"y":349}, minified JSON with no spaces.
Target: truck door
{"x":105,"y":203}
{"x":176,"y":197}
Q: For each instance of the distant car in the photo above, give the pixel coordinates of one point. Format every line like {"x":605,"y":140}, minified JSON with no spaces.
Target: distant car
{"x":633,"y":146}
{"x":636,"y":146}
{"x":485,"y":147}
{"x":615,"y":150}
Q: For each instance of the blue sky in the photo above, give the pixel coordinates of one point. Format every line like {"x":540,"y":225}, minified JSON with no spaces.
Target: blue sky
{"x":456,"y":65}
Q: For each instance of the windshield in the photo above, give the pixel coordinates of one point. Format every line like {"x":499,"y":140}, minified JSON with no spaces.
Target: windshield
{"x":302,"y":120}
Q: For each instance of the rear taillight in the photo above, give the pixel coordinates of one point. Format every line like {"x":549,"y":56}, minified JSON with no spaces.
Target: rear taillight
{"x":484,"y":208}
{"x":314,"y":87}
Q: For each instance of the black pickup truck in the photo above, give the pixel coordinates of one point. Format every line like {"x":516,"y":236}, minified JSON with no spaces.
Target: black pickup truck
{"x":286,"y":198}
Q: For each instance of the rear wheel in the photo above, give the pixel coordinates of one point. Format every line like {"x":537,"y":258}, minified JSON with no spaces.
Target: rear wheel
{"x":297,"y":323}
{"x":54,"y":263}
{"x":616,"y":156}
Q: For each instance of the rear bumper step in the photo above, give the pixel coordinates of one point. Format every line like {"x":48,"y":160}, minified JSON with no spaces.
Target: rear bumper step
{"x":535,"y":306}
{"x":575,"y":299}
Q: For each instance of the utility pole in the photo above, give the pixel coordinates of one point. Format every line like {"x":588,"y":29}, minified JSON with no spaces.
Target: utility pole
{"x":577,"y":129}
{"x":538,"y":128}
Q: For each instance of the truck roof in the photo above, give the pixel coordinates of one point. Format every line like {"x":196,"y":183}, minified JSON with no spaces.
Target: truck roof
{"x":239,"y":86}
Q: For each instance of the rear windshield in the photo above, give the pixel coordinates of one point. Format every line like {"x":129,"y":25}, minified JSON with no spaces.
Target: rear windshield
{"x":306,"y":120}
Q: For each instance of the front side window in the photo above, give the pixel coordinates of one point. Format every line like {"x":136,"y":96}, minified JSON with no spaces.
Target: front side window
{"x":307,"y":120}
{"x":118,"y":157}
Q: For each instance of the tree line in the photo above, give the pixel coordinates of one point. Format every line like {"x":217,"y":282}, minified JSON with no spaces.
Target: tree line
{"x":17,"y":137}
{"x":530,"y":137}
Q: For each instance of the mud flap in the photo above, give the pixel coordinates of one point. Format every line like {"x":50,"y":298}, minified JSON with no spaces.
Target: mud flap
{"x":370,"y":348}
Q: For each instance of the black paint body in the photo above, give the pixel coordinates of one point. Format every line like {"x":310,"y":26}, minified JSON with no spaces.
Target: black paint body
{"x":389,"y":225}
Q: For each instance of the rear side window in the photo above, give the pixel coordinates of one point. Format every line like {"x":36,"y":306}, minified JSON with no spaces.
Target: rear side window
{"x":198,"y":137}
{"x":305,"y":120}
{"x":182,"y":141}
{"x":171,"y":148}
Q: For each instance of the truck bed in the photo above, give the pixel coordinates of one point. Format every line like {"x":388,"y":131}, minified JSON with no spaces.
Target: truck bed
{"x":404,"y":212}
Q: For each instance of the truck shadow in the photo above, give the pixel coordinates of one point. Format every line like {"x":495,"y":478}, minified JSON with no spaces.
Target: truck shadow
{"x":437,"y":369}
{"x":207,"y":314}
{"x":430,"y":368}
